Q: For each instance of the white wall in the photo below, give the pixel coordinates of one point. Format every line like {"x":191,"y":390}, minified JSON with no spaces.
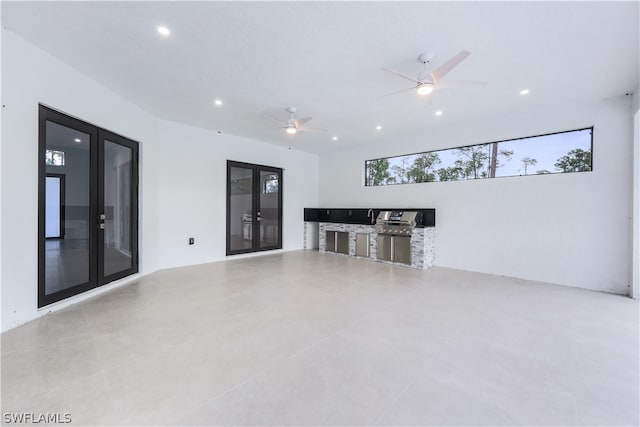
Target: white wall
{"x":635,"y":274}
{"x":1,"y":175}
{"x":182,"y":175}
{"x":31,"y":76}
{"x":192,"y":190}
{"x":571,"y":229}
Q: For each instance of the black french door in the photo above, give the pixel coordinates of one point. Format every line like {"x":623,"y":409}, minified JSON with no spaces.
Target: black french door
{"x":98,"y":213}
{"x":254,"y":208}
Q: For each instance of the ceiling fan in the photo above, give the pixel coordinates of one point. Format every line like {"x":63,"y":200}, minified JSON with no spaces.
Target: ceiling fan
{"x":427,"y":80}
{"x":293,"y":125}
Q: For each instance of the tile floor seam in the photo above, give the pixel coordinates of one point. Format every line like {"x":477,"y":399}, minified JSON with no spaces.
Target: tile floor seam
{"x":32,"y":347}
{"x":100,"y":362}
{"x":383,"y":412}
{"x":76,"y":379}
{"x":268,"y":368}
{"x":576,"y":410}
{"x":93,"y":339}
{"x":573,"y":383}
{"x":62,"y":386}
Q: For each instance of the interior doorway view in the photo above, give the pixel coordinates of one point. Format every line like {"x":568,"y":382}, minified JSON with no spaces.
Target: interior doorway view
{"x":54,"y":206}
{"x":254,"y":208}
{"x":88,"y":206}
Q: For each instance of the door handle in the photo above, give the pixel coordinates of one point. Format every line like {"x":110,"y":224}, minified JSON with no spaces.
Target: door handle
{"x":101,"y":226}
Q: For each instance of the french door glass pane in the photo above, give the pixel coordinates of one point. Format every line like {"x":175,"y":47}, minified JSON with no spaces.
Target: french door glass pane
{"x":67,"y":257}
{"x":241,"y":208}
{"x":117,"y":207}
{"x":269,"y":208}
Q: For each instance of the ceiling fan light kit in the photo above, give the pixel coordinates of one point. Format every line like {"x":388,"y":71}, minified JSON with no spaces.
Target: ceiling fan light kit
{"x":427,"y":81}
{"x":425,"y":88}
{"x":293,"y":125}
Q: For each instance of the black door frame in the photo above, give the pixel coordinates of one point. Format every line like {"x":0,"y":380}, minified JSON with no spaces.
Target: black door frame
{"x":256,"y":191}
{"x":46,"y":114}
{"x":96,"y":202}
{"x":104,"y":135}
{"x":61,"y":178}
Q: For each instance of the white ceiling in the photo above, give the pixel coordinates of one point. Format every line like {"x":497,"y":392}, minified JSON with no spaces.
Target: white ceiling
{"x":325,"y":58}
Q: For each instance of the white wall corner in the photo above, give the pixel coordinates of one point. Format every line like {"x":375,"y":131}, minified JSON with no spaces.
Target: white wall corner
{"x":1,"y":142}
{"x":635,"y":253}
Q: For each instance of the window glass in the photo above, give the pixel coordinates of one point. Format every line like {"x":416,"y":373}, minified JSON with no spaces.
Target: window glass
{"x":561,"y":152}
{"x":271,"y":184}
{"x":54,"y":157}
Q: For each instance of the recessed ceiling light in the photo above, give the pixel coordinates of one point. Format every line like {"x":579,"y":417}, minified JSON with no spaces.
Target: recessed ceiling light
{"x":77,"y":140}
{"x":217,"y":102}
{"x":378,"y":127}
{"x":524,"y":91}
{"x":438,"y":113}
{"x":335,"y":138}
{"x":164,"y":31}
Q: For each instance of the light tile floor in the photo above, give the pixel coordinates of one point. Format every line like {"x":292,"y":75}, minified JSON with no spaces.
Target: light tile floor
{"x":304,"y":338}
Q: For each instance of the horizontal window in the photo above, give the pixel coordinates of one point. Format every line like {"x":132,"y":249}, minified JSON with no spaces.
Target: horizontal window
{"x":561,"y":152}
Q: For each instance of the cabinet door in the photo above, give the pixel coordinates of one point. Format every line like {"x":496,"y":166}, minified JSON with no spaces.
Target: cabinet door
{"x":330,"y":244}
{"x":384,"y":247}
{"x":342,"y":242}
{"x":402,"y":249}
{"x":362,"y":244}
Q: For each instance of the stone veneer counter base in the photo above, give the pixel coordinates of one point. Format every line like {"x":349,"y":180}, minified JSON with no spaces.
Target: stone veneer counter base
{"x":422,"y":242}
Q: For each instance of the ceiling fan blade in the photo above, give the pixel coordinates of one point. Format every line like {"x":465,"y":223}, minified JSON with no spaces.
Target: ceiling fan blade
{"x":398,"y":73}
{"x":273,"y":119}
{"x":394,"y":93}
{"x":449,"y":65}
{"x":459,"y":83}
{"x":307,"y":129}
{"x":300,"y":122}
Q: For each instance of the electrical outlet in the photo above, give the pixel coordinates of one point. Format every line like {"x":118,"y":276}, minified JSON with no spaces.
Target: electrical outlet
{"x":192,"y":241}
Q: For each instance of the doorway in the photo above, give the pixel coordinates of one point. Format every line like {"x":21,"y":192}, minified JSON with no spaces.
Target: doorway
{"x":254,"y":208}
{"x":54,"y":206}
{"x":87,"y":206}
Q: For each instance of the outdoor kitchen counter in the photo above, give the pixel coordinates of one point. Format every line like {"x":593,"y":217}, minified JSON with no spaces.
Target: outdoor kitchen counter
{"x":422,"y":242}
{"x":362,"y":216}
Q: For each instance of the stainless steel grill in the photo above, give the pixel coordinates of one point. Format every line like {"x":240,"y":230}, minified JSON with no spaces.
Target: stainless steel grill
{"x":397,"y":223}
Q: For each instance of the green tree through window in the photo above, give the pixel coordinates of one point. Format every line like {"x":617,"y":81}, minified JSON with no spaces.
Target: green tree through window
{"x":422,"y":169}
{"x":564,"y":152}
{"x":576,"y":160}
{"x":378,"y":172}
